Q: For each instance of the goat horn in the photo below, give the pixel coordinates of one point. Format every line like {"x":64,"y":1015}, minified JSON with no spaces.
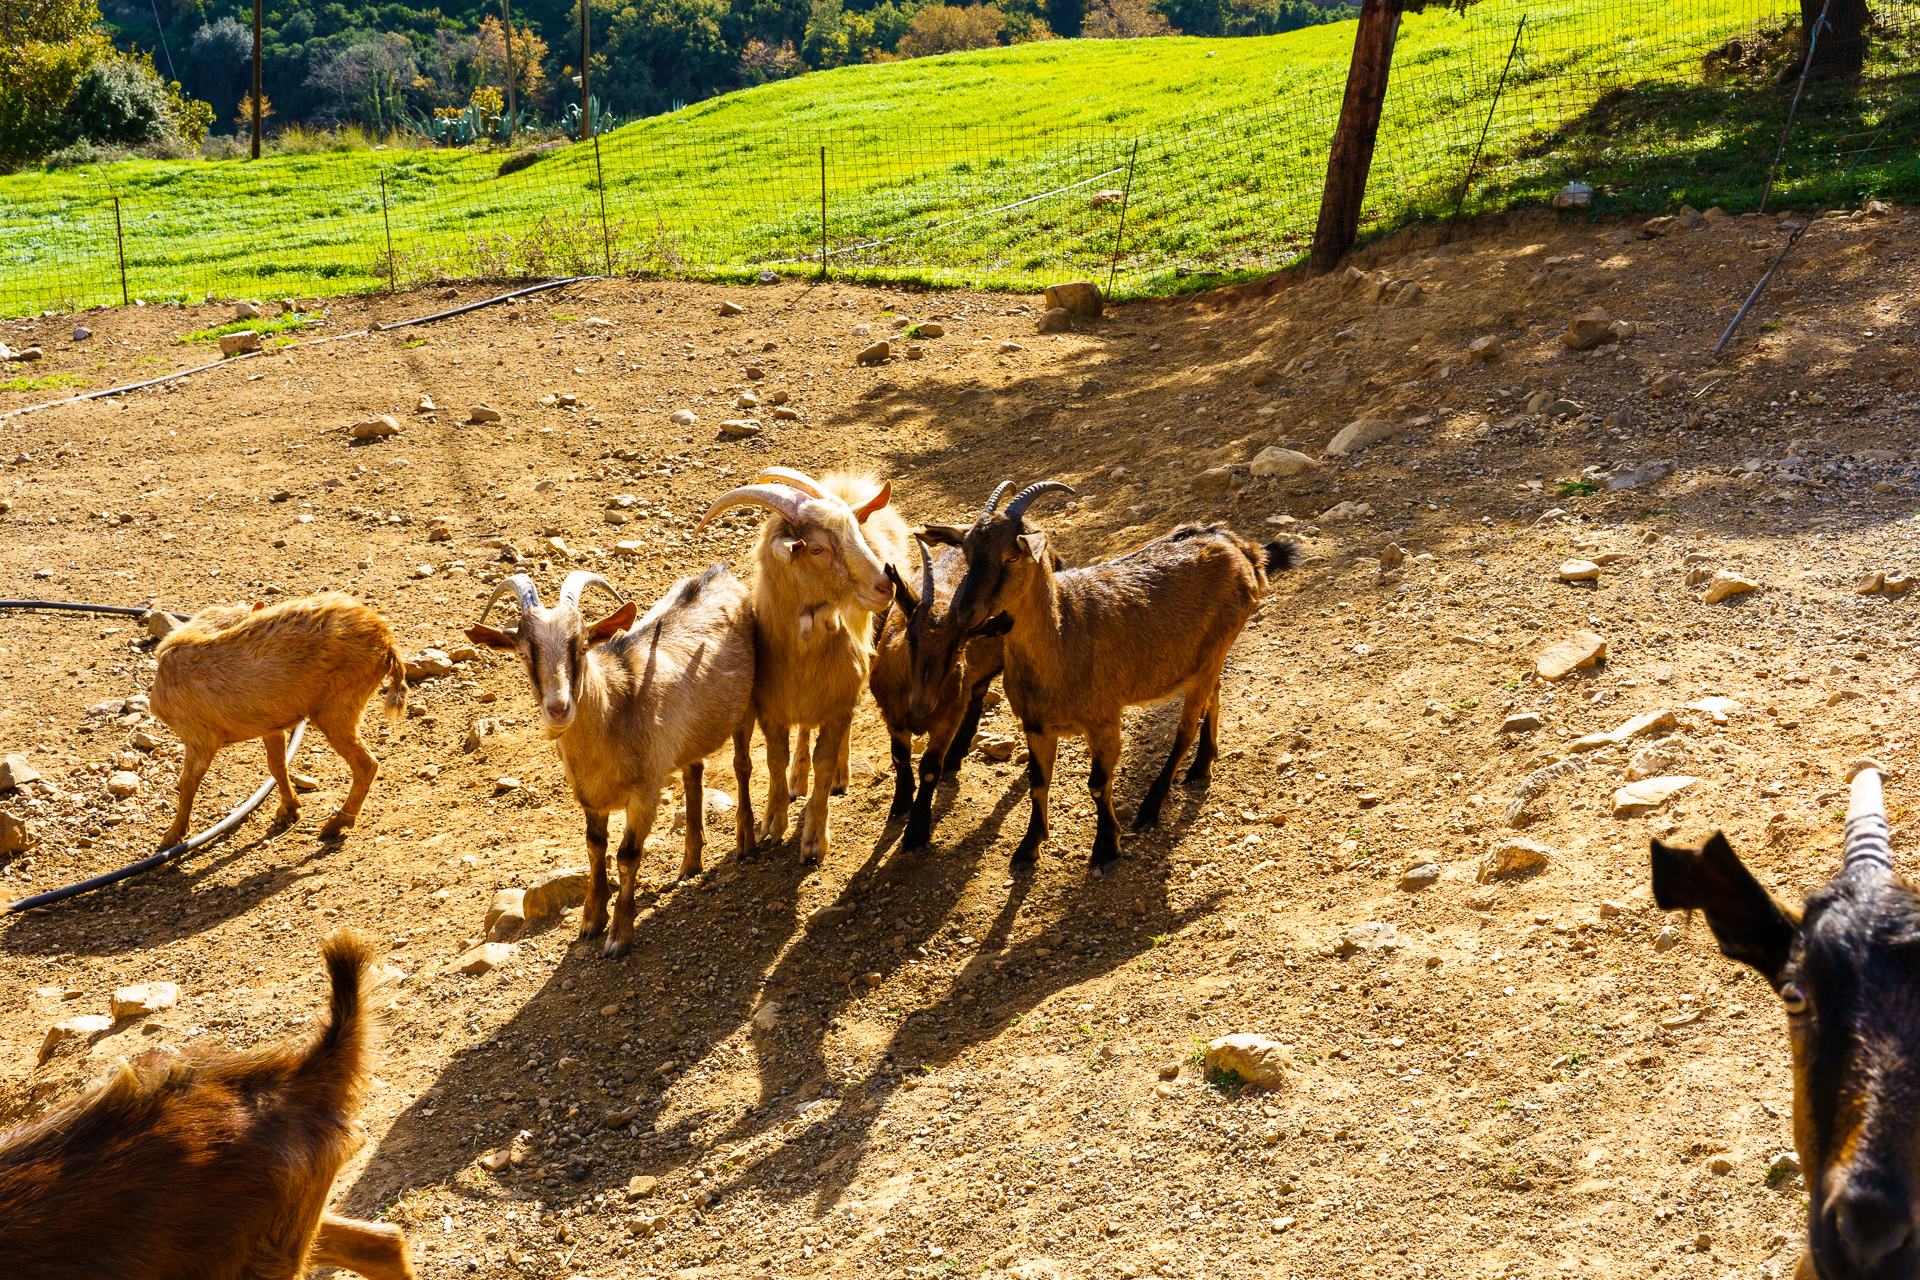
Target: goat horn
{"x":797,"y":479}
{"x":774,"y":497}
{"x":579,"y":580}
{"x":1026,"y":496}
{"x":1868,"y":840}
{"x":521,"y":586}
{"x":993,"y":499}
{"x":926,"y":574}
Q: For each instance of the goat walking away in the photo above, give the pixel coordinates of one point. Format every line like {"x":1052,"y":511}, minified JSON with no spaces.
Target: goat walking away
{"x":820,"y":576}
{"x":626,"y":711}
{"x":205,"y":1167}
{"x":232,"y":673}
{"x":1082,"y":645}
{"x":1847,"y":971}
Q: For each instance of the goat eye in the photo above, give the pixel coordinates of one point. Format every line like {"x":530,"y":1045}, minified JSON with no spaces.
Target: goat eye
{"x":1793,"y":998}
{"x":819,"y":551}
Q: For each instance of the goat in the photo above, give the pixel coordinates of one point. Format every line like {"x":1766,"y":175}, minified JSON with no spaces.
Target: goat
{"x":1082,"y":645}
{"x":205,"y":1167}
{"x":1847,"y":971}
{"x":817,"y":584}
{"x":231,"y":673}
{"x":626,"y":711}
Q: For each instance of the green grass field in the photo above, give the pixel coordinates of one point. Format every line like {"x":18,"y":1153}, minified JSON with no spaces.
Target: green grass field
{"x":976,"y":168}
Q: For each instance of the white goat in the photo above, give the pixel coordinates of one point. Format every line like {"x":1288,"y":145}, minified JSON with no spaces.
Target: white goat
{"x":626,"y":711}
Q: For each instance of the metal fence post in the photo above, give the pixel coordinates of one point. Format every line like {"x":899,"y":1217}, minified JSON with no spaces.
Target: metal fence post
{"x":120,"y":239}
{"x":823,"y":213}
{"x":1120,"y":229}
{"x":606,"y":236}
{"x":388,"y":221}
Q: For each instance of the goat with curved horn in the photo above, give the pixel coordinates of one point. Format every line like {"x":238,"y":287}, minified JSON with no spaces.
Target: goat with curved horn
{"x":780,"y":499}
{"x":1868,"y":840}
{"x":1027,"y":496}
{"x":521,"y":587}
{"x":926,"y":576}
{"x":579,"y":580}
{"x":788,"y":476}
{"x":993,"y":499}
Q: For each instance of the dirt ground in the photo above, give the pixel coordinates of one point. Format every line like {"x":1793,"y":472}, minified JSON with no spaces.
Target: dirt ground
{"x":1536,"y":1075}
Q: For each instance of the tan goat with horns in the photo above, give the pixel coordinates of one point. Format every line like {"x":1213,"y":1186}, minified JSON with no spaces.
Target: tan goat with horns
{"x":626,"y":711}
{"x":820,"y":575}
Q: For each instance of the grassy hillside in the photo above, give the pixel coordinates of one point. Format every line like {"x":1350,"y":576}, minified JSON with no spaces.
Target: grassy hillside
{"x":977,"y":168}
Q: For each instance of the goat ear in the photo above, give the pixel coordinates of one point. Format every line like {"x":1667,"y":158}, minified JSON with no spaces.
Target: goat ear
{"x":1749,"y":924}
{"x":491,"y":638}
{"x":902,"y":594}
{"x":611,"y":625}
{"x":788,"y":548}
{"x":944,"y":535}
{"x":1035,"y":545}
{"x":874,"y":503}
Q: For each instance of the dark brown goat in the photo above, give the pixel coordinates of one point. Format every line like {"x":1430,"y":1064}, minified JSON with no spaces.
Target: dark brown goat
{"x":1847,"y":971}
{"x":1082,"y":645}
{"x":205,"y":1168}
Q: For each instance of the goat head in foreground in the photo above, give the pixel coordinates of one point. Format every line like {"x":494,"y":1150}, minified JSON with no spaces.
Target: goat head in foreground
{"x":1847,"y":971}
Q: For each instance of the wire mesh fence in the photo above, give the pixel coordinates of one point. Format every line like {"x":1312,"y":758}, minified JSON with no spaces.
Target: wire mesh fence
{"x":1209,"y":193}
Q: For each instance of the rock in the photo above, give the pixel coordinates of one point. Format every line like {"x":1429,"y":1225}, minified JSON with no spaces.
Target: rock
{"x":929,"y":329}
{"x":1348,"y":510}
{"x":629,"y":548}
{"x":620,"y":1118}
{"x":1258,"y":1060}
{"x":1645,"y":474}
{"x":915,"y":351}
{"x":1522,"y":722}
{"x":1784,"y":1165}
{"x":1690,"y":218}
{"x":754,"y":373}
{"x":1578,"y":571}
{"x":85,"y":1026}
{"x":1645,"y":722}
{"x":875,"y":354}
{"x":503,"y":785}
{"x":123,"y":784}
{"x":1667,"y":756}
{"x":1080,"y":298}
{"x":1720,"y":1164}
{"x":1420,"y":875}
{"x":641,"y":1186}
{"x":429,"y":663}
{"x":1727,"y":583}
{"x":1356,"y":436}
{"x":506,"y":915}
{"x":1653,"y":227}
{"x":1214,"y":480}
{"x":1009,"y":348}
{"x":1575,"y":195}
{"x":1281,"y":463}
{"x":1580,"y":649}
{"x":1666,"y":384}
{"x":27,"y":355}
{"x":1667,"y":939}
{"x":746,"y":401}
{"x":495,"y":1161}
{"x":1483,"y":349}
{"x":1648,"y":794}
{"x":871,"y":980}
{"x":1392,"y":556}
{"x":1512,"y":856}
{"x":1589,"y":329}
{"x":996,"y":748}
{"x":233,"y":344}
{"x":81,"y":333}
{"x":483,"y":413}
{"x":16,"y":772}
{"x":767,"y":1016}
{"x":683,"y":417}
{"x":557,"y":547}
{"x":15,"y":835}
{"x":555,"y":891}
{"x":144,"y":998}
{"x":740,"y":428}
{"x":478,"y":732}
{"x":784,"y":414}
{"x":731,"y":309}
{"x":831,"y":914}
{"x":374,"y":428}
{"x":159,"y":623}
{"x":1053,"y":320}
{"x":426,"y":405}
{"x":248,"y":311}
{"x":483,"y":958}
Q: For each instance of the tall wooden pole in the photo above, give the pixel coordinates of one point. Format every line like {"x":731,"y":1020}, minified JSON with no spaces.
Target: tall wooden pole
{"x":513,"y":111}
{"x":586,"y":56}
{"x":256,"y":79}
{"x":1352,"y":153}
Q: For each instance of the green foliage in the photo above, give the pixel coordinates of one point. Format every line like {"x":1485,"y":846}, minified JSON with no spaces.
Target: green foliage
{"x":944,"y":28}
{"x":46,"y":382}
{"x":276,"y":324}
{"x":115,"y":101}
{"x":1578,"y":488}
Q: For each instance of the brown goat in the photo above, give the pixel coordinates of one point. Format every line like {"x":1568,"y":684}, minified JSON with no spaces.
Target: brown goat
{"x":1085,"y":644}
{"x":205,"y":1168}
{"x":817,"y":585}
{"x":231,"y":673}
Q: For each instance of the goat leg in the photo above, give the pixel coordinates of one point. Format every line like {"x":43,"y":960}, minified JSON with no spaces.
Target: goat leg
{"x":902,"y":775}
{"x":774,"y":827}
{"x":692,"y":785}
{"x":802,"y":757}
{"x":1103,"y":744}
{"x":639,"y":823}
{"x":1202,"y":770}
{"x":276,"y":745}
{"x":742,"y":776}
{"x":827,"y":743}
{"x":340,"y":725}
{"x":593,"y":916}
{"x":1040,"y":751}
{"x":941,"y":732}
{"x":969,"y":725}
{"x":377,"y":1250}
{"x":843,"y":771}
{"x":1156,"y":796}
{"x":192,"y":769}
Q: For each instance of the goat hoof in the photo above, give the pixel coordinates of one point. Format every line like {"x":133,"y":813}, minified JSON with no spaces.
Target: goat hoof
{"x":592,"y":930}
{"x":615,"y":948}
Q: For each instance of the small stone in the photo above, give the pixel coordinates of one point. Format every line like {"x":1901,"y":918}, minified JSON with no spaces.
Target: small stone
{"x":1666,"y":384}
{"x":506,"y":915}
{"x":1009,"y":348}
{"x":1079,"y":298}
{"x":495,"y":1161}
{"x":731,"y":309}
{"x":1392,"y":556}
{"x":426,"y":405}
{"x":144,"y":998}
{"x":1580,"y":649}
{"x":123,"y":784}
{"x":15,"y":835}
{"x":778,"y":396}
{"x":555,"y":891}
{"x":1720,"y":1164}
{"x":871,"y":979}
{"x":1512,"y":856}
{"x":59,"y":1033}
{"x":929,"y":329}
{"x":233,"y":344}
{"x":767,"y":1016}
{"x":1258,"y":1060}
{"x":747,"y":401}
{"x":1726,"y":583}
{"x":1356,"y":436}
{"x":875,"y":354}
{"x":1647,"y":794}
{"x":1348,"y":510}
{"x":629,"y":548}
{"x":754,"y":373}
{"x":1645,"y":722}
{"x":483,"y":958}
{"x":1667,"y":756}
{"x":1281,"y":463}
{"x":784,"y":414}
{"x":740,"y":428}
{"x":81,"y":333}
{"x":16,"y":772}
{"x":641,"y":1186}
{"x":683,"y":417}
{"x":1575,"y":195}
{"x":503,"y":785}
{"x":557,"y":547}
{"x":1578,"y":571}
{"x":248,"y":311}
{"x":1053,"y":320}
{"x":1588,"y":329}
{"x":28,"y":355}
{"x":1522,"y":722}
{"x":429,"y":663}
{"x":1666,"y":939}
{"x":1214,"y":480}
{"x":375,"y":427}
{"x":1785,"y":1164}
{"x":1420,"y":875}
{"x":483,"y":413}
{"x":996,"y":748}
{"x":1483,"y":349}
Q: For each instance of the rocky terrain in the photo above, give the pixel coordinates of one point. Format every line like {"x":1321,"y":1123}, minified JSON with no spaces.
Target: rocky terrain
{"x":1561,"y":591}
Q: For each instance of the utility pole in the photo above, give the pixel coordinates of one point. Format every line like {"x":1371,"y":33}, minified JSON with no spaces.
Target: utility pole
{"x":586,"y":56}
{"x":256,"y":79}
{"x":1352,"y":153}
{"x":506,"y":11}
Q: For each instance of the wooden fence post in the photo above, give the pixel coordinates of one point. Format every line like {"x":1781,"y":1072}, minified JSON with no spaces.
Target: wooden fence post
{"x":1352,"y":153}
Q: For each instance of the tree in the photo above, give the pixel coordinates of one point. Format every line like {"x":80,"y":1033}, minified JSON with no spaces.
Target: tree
{"x":943,"y":28}
{"x":660,"y":50}
{"x":1842,"y":47}
{"x":529,"y":58}
{"x":221,"y":66}
{"x":1124,"y":20}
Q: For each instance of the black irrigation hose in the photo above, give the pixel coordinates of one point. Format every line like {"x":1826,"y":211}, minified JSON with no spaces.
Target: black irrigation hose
{"x":166,"y":855}
{"x":331,"y":337}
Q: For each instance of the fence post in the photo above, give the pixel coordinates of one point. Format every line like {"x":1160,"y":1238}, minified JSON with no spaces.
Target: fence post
{"x":606,"y":237}
{"x":388,"y":221}
{"x":1466,"y":184}
{"x":823,"y":212}
{"x":1120,"y":230}
{"x":1813,"y":43}
{"x":1351,"y":155}
{"x":513,"y":110}
{"x":120,"y":239}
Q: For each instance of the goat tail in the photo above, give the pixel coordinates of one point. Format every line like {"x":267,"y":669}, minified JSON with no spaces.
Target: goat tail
{"x":396,"y":700}
{"x":335,"y":1064}
{"x":1280,"y":554}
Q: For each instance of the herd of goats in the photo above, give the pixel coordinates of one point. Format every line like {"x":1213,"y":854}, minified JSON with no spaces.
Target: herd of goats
{"x":212,"y":1166}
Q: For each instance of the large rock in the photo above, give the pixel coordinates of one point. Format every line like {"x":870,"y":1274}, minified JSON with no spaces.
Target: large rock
{"x":1080,"y":298}
{"x":1726,"y":583}
{"x":1214,"y":480}
{"x":1257,"y":1060}
{"x":1356,"y":436}
{"x":483,"y":958}
{"x":15,"y":835}
{"x":1511,"y":857}
{"x":144,"y":998}
{"x":429,"y":663}
{"x":875,"y":354}
{"x":84,"y":1027}
{"x":1648,"y":794}
{"x":483,"y":413}
{"x":1578,"y":571}
{"x":1581,"y":649}
{"x":741,"y":428}
{"x":123,"y":784}
{"x":1589,"y":329}
{"x":1483,"y":349}
{"x":16,"y":772}
{"x":555,"y":891}
{"x":374,"y":428}
{"x":1053,"y":320}
{"x":506,"y":915}
{"x":1281,"y":463}
{"x":233,"y":344}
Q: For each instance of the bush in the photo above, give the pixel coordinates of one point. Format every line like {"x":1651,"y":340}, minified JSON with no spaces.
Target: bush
{"x":115,"y":102}
{"x":944,"y":28}
{"x":1123,"y":20}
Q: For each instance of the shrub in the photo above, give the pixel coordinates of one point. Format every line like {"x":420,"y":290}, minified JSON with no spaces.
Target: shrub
{"x":1123,"y":20}
{"x":944,"y":28}
{"x":115,"y":102}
